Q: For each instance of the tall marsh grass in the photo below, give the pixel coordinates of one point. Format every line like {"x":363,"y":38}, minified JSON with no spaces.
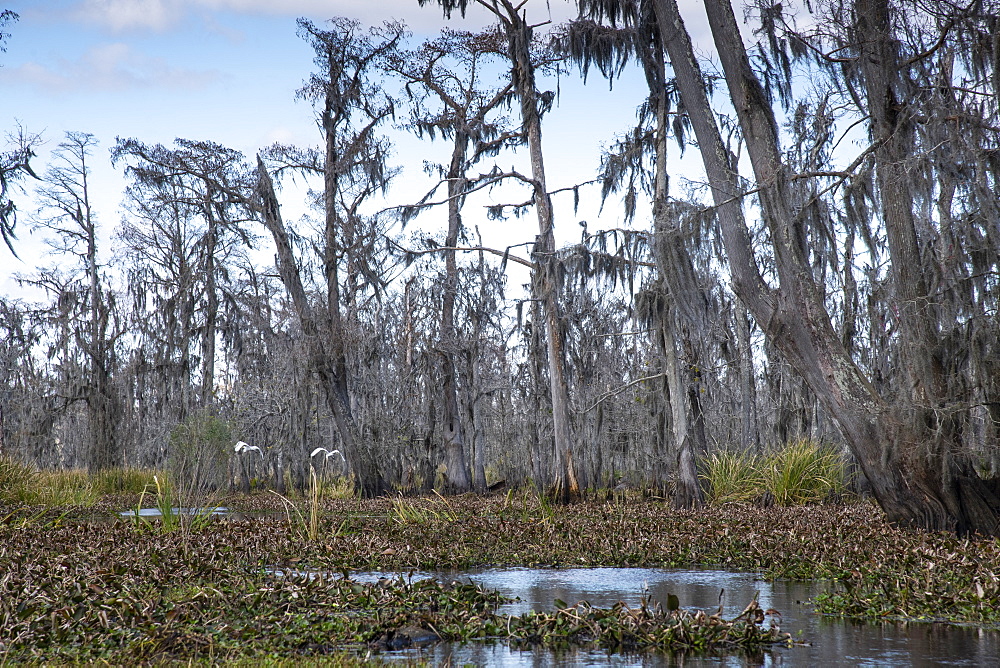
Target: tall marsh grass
{"x":124,"y":480}
{"x":733,"y":477}
{"x":801,"y":472}
{"x":805,"y":471}
{"x":16,"y":478}
{"x":72,"y":487}
{"x":23,"y":483}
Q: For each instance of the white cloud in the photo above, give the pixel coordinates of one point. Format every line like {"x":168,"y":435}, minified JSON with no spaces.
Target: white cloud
{"x":125,"y":15}
{"x":160,"y":15}
{"x":107,"y":67}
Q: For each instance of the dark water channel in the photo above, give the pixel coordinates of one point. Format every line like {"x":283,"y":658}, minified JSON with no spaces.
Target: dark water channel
{"x":833,"y":641}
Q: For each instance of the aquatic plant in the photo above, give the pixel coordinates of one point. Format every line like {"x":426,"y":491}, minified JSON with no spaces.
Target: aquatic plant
{"x":307,"y":529}
{"x":648,"y":626}
{"x":407,"y":512}
{"x":200,"y":448}
{"x":77,"y":592}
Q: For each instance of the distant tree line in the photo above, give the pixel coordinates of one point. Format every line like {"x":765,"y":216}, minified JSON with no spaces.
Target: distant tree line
{"x":837,"y":277}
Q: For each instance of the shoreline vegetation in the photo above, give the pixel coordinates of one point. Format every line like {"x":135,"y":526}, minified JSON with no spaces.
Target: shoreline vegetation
{"x":79,"y":583}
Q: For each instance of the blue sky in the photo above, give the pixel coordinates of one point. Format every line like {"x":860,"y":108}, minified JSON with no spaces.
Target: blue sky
{"x":227,"y":71}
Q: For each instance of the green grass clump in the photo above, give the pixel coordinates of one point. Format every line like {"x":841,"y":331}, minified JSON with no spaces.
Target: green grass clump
{"x":734,"y":477}
{"x":23,"y":483}
{"x":120,"y":480}
{"x":16,"y":479}
{"x":71,"y":487}
{"x":802,"y":472}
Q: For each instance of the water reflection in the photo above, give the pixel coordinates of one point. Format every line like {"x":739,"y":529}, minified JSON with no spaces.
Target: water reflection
{"x":833,"y":641}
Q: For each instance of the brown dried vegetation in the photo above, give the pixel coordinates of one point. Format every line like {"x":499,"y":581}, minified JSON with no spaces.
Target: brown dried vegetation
{"x":86,"y":590}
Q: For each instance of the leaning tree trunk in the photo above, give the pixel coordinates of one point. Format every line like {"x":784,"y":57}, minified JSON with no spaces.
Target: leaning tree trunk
{"x":368,"y":478}
{"x":794,"y":316}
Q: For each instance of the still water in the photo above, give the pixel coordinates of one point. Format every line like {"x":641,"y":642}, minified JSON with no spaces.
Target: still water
{"x":192,"y":512}
{"x":832,"y":641}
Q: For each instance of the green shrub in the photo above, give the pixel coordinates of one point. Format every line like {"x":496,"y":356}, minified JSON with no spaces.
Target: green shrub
{"x":200,"y":449}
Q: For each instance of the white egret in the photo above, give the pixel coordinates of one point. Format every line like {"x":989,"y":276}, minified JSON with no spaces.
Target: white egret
{"x":329,"y":453}
{"x":242,"y":448}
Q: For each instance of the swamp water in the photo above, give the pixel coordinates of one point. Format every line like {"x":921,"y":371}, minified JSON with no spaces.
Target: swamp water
{"x":187,"y":512}
{"x":832,"y":641}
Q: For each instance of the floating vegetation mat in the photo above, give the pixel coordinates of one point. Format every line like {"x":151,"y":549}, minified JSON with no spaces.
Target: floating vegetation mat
{"x":133,"y":592}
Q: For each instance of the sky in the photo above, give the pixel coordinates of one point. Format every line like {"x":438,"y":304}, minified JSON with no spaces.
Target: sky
{"x":227,"y":71}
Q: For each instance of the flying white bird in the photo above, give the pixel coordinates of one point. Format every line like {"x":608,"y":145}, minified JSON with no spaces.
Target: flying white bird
{"x":329,"y":453}
{"x":243,"y":448}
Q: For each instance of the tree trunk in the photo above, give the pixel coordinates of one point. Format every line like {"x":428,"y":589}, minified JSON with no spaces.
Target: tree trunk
{"x":457,"y":468}
{"x":568,"y":479}
{"x":103,"y":449}
{"x":211,"y":307}
{"x":750,"y":431}
{"x":675,"y":267}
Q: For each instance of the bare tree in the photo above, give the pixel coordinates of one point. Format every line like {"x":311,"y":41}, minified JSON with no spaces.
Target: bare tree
{"x":683,"y":317}
{"x":15,"y":164}
{"x":451,"y":96}
{"x":524,"y":56}
{"x":14,"y":160}
{"x":184,"y":233}
{"x":352,"y":163}
{"x":65,"y":209}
